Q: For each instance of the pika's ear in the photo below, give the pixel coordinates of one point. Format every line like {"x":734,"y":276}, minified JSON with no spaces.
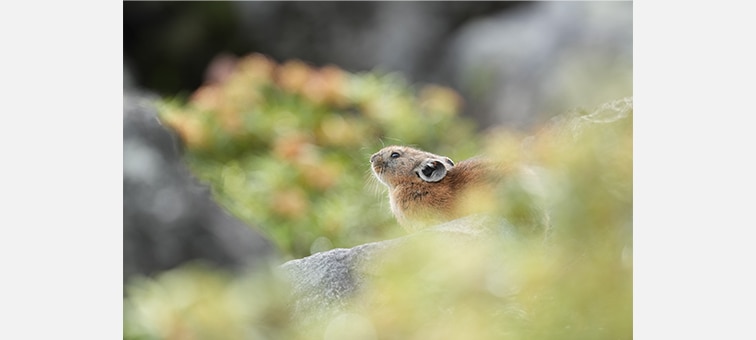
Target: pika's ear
{"x":449,"y":161}
{"x":431,"y":170}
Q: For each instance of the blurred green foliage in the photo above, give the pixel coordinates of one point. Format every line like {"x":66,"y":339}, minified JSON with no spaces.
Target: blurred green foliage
{"x":291,"y":159}
{"x":286,"y":147}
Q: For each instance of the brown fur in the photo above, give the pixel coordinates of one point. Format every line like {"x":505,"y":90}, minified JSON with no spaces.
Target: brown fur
{"x":416,"y":203}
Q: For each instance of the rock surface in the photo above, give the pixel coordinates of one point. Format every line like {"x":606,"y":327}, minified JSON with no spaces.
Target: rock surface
{"x":323,"y":283}
{"x":169,"y":218}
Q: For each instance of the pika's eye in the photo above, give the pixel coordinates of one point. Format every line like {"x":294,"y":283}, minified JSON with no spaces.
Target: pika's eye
{"x":395,"y":155}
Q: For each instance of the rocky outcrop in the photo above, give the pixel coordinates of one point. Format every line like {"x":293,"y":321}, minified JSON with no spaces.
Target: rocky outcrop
{"x":169,"y":218}
{"x":324,"y":283}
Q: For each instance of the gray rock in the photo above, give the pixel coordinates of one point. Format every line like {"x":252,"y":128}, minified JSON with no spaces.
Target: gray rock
{"x":169,"y":218}
{"x":520,"y":67}
{"x":324,"y":283}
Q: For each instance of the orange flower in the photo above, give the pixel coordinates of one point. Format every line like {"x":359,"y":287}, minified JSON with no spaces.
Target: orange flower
{"x":320,"y":175}
{"x":326,"y":86}
{"x":291,"y":147}
{"x":207,"y":97}
{"x":293,"y":75}
{"x":189,"y":129}
{"x":257,"y":68}
{"x":230,"y":120}
{"x":335,"y":83}
{"x":290,"y":203}
{"x":314,"y":89}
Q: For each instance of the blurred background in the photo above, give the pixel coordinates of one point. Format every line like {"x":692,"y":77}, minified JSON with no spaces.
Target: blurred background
{"x":224,"y":129}
{"x":515,"y":63}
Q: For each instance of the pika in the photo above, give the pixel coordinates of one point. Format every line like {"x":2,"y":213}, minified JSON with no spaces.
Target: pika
{"x":426,"y":188}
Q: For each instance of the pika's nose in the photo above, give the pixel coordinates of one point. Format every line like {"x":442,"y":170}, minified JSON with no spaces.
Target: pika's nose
{"x":373,"y":157}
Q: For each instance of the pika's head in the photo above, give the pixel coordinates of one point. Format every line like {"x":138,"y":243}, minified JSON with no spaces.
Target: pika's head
{"x":394,"y":165}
